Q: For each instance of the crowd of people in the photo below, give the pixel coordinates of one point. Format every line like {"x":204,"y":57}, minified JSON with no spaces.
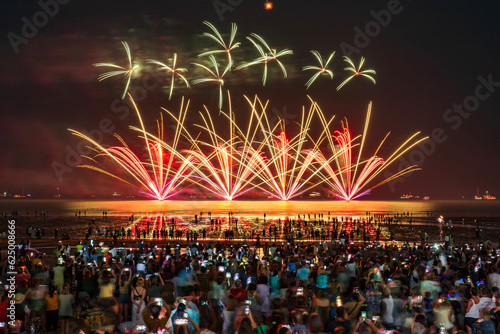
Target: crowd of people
{"x":275,"y":288}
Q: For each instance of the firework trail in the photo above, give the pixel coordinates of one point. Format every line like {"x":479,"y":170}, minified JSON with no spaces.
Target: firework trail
{"x":158,"y":177}
{"x":275,"y":164}
{"x":347,"y":180}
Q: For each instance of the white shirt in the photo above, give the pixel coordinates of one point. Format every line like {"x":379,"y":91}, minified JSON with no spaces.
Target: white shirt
{"x":207,"y":331}
{"x":389,"y":303}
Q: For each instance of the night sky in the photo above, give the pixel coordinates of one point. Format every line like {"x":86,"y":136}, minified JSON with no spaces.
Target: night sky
{"x":432,"y":57}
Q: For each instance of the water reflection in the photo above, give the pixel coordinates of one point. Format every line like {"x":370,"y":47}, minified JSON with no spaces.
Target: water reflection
{"x":255,"y":208}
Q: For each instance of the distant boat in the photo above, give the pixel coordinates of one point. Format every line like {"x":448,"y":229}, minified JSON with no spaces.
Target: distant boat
{"x":486,"y":196}
{"x":410,"y":196}
{"x":115,"y":194}
{"x":314,"y":194}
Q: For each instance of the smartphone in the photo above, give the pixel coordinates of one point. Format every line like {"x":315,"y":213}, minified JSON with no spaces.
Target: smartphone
{"x":247,"y":310}
{"x":300,"y":291}
{"x":236,"y":276}
{"x":442,"y":329}
{"x":375,"y":318}
{"x":221,"y":269}
{"x":2,"y":324}
{"x":140,"y":328}
{"x":181,"y":321}
{"x":363,"y":315}
{"x":185,"y":315}
{"x":249,"y":280}
{"x":339,"y":301}
{"x":228,"y":275}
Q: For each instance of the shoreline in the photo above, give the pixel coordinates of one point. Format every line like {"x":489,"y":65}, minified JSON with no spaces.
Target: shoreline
{"x":402,"y":230}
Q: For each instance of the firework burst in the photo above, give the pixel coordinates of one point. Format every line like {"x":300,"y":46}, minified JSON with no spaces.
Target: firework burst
{"x":266,"y":55}
{"x":174,"y":72}
{"x":128,"y":72}
{"x":357,"y":71}
{"x":217,"y":37}
{"x":321,"y":69}
{"x":351,"y":179}
{"x":217,"y":76}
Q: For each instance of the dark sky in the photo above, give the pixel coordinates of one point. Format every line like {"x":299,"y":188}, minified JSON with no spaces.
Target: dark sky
{"x":428,"y":58}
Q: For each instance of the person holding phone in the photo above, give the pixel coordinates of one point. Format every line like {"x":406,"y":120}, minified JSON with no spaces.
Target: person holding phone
{"x":443,"y":313}
{"x":124,"y":300}
{"x":353,"y":307}
{"x":228,"y":315}
{"x":156,"y":314}
{"x":472,"y":310}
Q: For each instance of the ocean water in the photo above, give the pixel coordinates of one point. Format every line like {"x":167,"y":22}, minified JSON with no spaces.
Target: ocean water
{"x":272,"y":208}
